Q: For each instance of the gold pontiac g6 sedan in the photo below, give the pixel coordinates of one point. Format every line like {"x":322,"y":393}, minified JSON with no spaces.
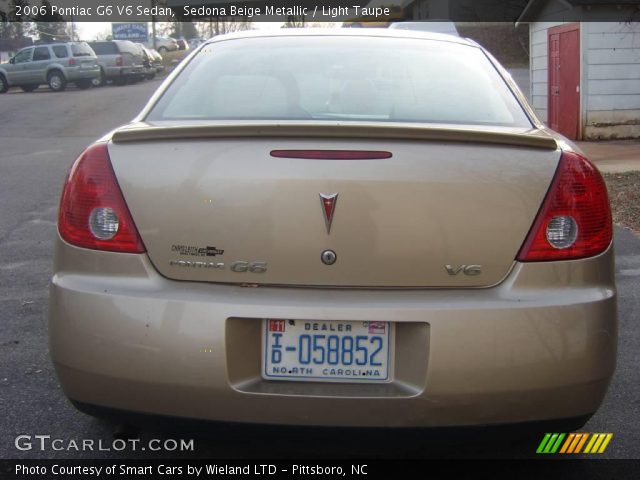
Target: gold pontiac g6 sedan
{"x":338,"y":228}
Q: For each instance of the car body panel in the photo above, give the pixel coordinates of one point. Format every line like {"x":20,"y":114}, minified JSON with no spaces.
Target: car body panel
{"x":533,"y":348}
{"x":17,"y":73}
{"x":536,"y":341}
{"x":397,"y":223}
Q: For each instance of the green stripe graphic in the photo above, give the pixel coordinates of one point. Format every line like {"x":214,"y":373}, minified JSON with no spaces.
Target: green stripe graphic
{"x":558,"y":443}
{"x":543,"y":443}
{"x":550,"y":443}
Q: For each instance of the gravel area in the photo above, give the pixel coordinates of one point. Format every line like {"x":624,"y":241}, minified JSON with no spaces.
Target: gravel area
{"x":624,"y":194}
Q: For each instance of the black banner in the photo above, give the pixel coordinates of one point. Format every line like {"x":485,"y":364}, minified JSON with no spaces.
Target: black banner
{"x":352,"y":11}
{"x":388,"y":469}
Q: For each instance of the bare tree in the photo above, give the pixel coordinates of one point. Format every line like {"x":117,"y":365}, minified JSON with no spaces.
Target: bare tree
{"x":221,"y":25}
{"x":13,"y":29}
{"x":103,"y":36}
{"x":294,"y":21}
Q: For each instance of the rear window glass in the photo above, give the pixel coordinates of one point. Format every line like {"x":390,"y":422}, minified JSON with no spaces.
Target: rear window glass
{"x":60,"y":51}
{"x":341,"y":78}
{"x":81,"y":50}
{"x":129,"y":47}
{"x":105,"y":48}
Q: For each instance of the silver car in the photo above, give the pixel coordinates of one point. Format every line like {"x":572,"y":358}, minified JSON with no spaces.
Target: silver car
{"x":163,"y":44}
{"x":54,"y":64}
{"x":448,"y":28}
{"x":121,"y":62}
{"x":339,"y":228}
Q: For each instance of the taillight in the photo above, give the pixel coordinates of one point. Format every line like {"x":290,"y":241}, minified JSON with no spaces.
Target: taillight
{"x":575,"y":219}
{"x":119,"y":61}
{"x":93,"y":213}
{"x":72,"y":62}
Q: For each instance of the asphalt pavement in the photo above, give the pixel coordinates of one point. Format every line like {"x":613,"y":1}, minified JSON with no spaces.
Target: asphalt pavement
{"x":41,"y":133}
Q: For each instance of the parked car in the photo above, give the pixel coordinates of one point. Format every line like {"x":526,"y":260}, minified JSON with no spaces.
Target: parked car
{"x":331,"y":239}
{"x":445,"y":27}
{"x":163,"y":44}
{"x":54,"y":64}
{"x":121,"y":61}
{"x":157,"y":60}
{"x":195,"y":42}
{"x":149,"y":62}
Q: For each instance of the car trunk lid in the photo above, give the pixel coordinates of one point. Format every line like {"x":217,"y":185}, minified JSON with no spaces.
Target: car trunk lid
{"x":449,"y":208}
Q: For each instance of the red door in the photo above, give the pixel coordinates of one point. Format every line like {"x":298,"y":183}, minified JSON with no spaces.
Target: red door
{"x":564,"y":79}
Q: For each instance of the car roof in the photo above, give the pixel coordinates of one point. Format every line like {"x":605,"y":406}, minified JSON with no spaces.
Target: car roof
{"x":344,"y":32}
{"x":53,"y":44}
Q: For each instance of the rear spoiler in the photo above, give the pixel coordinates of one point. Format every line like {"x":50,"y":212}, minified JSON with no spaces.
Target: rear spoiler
{"x":534,"y":138}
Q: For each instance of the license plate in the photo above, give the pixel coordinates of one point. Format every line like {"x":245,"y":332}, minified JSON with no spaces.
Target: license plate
{"x":326,"y":351}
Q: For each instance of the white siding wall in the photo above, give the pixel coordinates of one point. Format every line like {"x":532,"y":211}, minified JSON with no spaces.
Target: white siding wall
{"x":612,"y":79}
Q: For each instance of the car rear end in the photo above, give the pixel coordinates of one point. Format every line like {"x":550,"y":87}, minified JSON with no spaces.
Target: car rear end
{"x":170,"y":44}
{"x":131,"y":60}
{"x":148,"y":69}
{"x":82,"y":63}
{"x":157,"y":61}
{"x":358,"y":247}
{"x":120,"y":60}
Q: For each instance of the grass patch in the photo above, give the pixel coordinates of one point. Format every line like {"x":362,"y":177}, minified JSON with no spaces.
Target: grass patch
{"x":171,"y":59}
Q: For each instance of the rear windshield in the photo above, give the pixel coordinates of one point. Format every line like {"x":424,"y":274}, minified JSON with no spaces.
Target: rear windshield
{"x":341,"y":78}
{"x":128,"y":47}
{"x":105,"y":48}
{"x":81,"y":50}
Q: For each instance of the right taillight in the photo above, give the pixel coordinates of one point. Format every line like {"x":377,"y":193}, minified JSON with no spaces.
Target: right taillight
{"x":575,"y":219}
{"x":119,"y":61}
{"x":93,"y":213}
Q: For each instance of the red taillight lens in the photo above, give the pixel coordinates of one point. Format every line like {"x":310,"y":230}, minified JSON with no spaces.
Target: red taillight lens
{"x":575,"y":219}
{"x":332,"y":154}
{"x":72,"y":62}
{"x":119,"y":61}
{"x":93,"y":213}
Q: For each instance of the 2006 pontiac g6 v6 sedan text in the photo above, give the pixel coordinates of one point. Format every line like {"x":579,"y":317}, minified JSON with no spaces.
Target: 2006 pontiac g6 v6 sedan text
{"x":336,"y":228}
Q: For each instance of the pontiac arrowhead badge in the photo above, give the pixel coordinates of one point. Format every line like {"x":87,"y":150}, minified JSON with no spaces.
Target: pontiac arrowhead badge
{"x":328,"y":203}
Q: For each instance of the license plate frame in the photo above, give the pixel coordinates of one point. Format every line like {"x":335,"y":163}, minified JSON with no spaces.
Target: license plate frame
{"x":380,"y":372}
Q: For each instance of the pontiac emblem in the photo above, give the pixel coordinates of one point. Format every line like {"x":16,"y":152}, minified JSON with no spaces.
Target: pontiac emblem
{"x":328,"y":203}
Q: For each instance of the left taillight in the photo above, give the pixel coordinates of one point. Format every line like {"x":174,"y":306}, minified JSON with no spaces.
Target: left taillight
{"x":93,"y":213}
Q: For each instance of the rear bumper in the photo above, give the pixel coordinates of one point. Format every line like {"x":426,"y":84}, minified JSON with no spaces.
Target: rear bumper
{"x":540,"y":346}
{"x":78,"y":73}
{"x":115,"y":72}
